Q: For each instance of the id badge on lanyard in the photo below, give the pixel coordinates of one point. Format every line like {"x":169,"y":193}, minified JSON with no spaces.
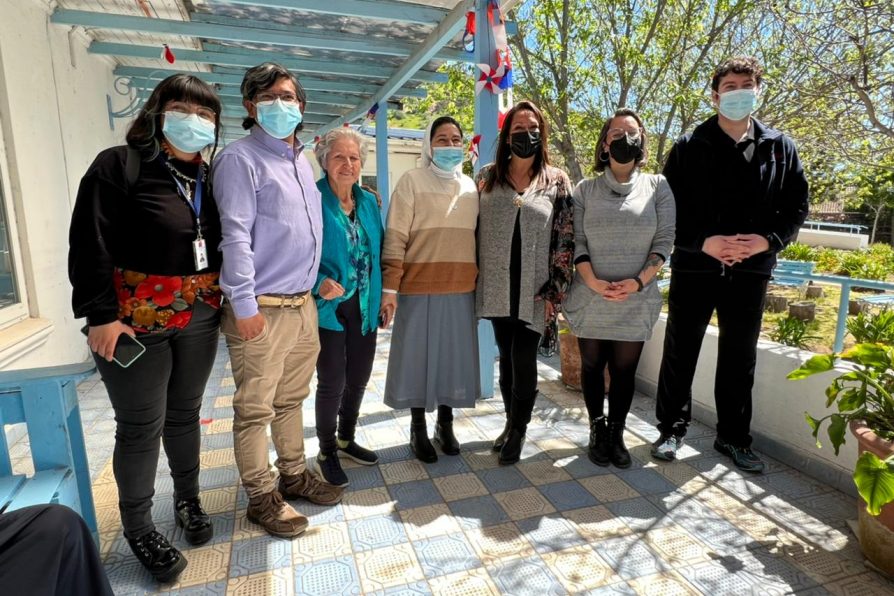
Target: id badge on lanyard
{"x":199,"y":249}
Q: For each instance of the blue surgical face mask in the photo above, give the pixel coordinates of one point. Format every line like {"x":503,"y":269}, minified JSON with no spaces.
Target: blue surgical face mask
{"x":447,"y":158}
{"x":187,"y":132}
{"x":737,"y":105}
{"x":278,"y":119}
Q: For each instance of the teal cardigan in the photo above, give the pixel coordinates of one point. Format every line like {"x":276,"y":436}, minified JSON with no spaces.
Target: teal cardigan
{"x":335,"y":261}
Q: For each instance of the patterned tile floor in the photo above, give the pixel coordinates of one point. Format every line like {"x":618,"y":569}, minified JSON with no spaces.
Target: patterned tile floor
{"x":553,"y":524}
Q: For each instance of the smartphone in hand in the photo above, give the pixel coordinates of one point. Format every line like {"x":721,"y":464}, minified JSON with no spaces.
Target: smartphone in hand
{"x":127,"y":349}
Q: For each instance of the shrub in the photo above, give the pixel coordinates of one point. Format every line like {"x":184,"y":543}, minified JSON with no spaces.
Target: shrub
{"x":873,"y":328}
{"x":882,"y":253}
{"x":792,"y":332}
{"x":798,"y":252}
{"x":828,"y":260}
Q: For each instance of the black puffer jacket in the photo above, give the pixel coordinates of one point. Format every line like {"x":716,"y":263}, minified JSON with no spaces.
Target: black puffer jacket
{"x":717,"y":191}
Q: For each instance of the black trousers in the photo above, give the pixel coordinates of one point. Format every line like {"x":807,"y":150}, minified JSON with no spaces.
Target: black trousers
{"x":622,"y":358}
{"x":157,"y":400}
{"x":517,"y":346}
{"x":343,"y":369}
{"x":739,"y":301}
{"x":46,"y":550}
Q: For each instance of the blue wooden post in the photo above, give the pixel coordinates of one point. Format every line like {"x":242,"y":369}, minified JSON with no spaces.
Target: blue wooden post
{"x":841,"y":324}
{"x":382,"y":156}
{"x":486,"y":111}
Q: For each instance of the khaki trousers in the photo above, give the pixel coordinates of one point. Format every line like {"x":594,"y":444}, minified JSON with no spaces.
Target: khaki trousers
{"x":272,"y":373}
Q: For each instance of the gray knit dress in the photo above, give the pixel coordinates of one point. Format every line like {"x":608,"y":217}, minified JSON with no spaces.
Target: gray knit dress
{"x":618,"y":225}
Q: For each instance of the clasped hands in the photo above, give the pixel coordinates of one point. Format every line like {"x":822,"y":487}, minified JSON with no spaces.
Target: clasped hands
{"x":614,"y":291}
{"x":730,"y":250}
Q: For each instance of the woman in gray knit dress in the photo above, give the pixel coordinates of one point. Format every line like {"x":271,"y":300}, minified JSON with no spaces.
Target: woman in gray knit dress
{"x":623,"y":231}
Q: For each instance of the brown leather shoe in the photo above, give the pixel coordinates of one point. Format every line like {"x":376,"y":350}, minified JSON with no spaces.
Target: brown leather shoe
{"x":275,"y":515}
{"x":307,"y":486}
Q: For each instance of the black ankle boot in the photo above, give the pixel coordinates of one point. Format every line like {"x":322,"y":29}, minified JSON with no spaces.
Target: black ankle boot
{"x":196,"y":524}
{"x":598,"y":450}
{"x":444,"y":435}
{"x":157,"y":555}
{"x":501,"y":439}
{"x":421,"y":445}
{"x":618,"y":453}
{"x":512,"y":448}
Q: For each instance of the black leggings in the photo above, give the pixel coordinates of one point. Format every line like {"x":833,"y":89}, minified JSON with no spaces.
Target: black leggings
{"x":157,"y":401}
{"x":517,"y":346}
{"x":622,"y":358}
{"x":445,"y":415}
{"x":343,"y":369}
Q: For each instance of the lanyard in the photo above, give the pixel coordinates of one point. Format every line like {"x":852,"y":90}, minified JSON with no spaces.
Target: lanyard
{"x":196,"y":203}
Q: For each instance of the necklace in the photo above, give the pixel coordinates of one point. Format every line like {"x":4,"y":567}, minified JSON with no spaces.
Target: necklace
{"x":519,"y":198}
{"x":178,"y":174}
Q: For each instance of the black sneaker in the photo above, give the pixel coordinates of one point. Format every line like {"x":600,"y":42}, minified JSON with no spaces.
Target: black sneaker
{"x":157,"y":555}
{"x":744,"y":458}
{"x":361,"y":455}
{"x":329,"y":469}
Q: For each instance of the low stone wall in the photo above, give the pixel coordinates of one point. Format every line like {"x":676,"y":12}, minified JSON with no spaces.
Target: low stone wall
{"x":778,"y":424}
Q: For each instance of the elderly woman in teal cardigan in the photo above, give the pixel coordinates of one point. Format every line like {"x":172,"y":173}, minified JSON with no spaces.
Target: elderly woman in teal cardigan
{"x":348,"y":295}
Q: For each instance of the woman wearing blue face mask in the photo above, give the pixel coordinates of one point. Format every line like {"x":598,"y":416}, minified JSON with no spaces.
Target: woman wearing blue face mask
{"x":428,"y":280}
{"x":144,"y":262}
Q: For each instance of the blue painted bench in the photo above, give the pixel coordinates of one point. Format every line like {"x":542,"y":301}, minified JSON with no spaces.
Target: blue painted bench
{"x":878,"y":299}
{"x":46,"y":401}
{"x":784,"y":266}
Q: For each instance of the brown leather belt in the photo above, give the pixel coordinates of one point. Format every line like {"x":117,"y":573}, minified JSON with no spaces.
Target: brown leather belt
{"x":283,"y":300}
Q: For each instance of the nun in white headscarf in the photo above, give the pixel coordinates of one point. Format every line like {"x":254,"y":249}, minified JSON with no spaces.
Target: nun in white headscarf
{"x":428,"y":280}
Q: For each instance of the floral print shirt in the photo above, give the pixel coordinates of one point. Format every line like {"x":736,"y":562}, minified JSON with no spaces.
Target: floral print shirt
{"x":361,"y":265}
{"x":156,"y":303}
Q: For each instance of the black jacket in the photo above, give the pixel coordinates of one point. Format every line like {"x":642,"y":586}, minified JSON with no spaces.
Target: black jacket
{"x":717,"y":191}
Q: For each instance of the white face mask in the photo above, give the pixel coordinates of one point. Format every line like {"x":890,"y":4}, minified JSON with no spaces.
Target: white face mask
{"x":737,"y":105}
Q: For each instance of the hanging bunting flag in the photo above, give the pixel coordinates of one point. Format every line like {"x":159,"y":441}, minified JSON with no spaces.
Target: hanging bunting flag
{"x":506,"y":62}
{"x":469,"y":34}
{"x":371,"y":114}
{"x":501,"y":117}
{"x":473,"y":149}
{"x":490,"y":79}
{"x":168,"y":54}
{"x":497,"y":25}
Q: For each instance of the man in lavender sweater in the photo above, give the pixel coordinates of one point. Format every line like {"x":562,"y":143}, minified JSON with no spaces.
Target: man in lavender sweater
{"x":272,"y":235}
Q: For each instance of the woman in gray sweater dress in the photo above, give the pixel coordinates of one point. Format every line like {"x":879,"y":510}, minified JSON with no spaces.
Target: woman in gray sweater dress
{"x":623,"y":230}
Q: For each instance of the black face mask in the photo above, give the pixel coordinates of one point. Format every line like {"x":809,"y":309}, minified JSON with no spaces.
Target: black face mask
{"x":525,"y":143}
{"x":624,"y":151}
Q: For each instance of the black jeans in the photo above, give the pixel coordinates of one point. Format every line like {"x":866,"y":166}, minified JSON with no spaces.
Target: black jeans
{"x":157,"y":400}
{"x":739,"y":301}
{"x":343,"y":369}
{"x":48,"y":549}
{"x":622,"y":358}
{"x":517,"y":346}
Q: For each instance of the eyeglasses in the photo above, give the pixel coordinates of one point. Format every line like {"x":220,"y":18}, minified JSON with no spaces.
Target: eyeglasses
{"x":268,"y":98}
{"x":186,"y":109}
{"x":619,"y":133}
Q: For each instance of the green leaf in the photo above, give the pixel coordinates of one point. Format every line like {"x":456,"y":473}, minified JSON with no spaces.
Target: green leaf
{"x":179,"y":304}
{"x":851,"y":399}
{"x":867,"y":354}
{"x":817,"y":364}
{"x":874,"y":478}
{"x":814,"y":425}
{"x":837,"y":429}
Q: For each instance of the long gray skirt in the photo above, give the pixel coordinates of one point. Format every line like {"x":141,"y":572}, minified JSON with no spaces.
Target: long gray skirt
{"x":434,"y":353}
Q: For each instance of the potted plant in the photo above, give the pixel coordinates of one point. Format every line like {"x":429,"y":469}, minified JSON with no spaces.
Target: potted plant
{"x":863,"y":395}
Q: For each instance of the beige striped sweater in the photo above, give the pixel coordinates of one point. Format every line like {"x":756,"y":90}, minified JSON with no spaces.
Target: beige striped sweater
{"x":430,"y":237}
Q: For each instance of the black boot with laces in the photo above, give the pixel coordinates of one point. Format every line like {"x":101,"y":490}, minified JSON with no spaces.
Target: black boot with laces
{"x":196,"y":524}
{"x":157,"y":555}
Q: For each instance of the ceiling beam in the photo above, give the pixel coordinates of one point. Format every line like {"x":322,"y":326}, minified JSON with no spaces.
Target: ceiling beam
{"x":228,"y":29}
{"x":224,"y":56}
{"x":388,"y":10}
{"x":309,"y":83}
{"x":444,"y":32}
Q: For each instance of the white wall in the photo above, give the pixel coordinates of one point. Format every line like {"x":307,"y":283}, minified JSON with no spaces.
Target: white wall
{"x":54,"y":122}
{"x":830,"y":239}
{"x":778,"y":423}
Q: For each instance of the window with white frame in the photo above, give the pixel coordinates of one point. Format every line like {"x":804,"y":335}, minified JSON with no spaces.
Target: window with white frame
{"x":13,"y":302}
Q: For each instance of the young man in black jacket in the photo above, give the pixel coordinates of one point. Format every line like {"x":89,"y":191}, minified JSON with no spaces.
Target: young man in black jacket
{"x":741,"y":196}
